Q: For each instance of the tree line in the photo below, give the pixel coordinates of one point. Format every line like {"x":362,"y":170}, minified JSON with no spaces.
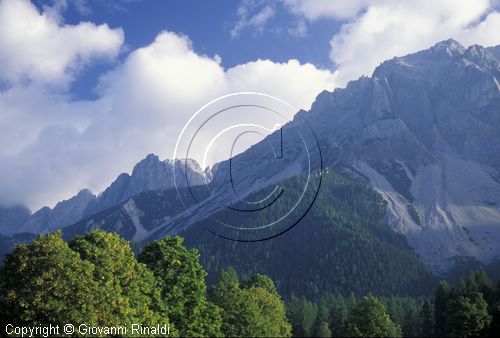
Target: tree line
{"x":97,"y":279}
{"x":469,"y":309}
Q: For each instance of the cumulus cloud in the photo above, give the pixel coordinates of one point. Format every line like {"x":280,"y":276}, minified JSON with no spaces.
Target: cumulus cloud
{"x":159,"y":87}
{"x":36,"y":47}
{"x":163,"y":84}
{"x":143,"y":104}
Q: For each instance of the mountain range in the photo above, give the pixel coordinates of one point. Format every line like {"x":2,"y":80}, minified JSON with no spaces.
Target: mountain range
{"x":149,"y":174}
{"x":422,"y":131}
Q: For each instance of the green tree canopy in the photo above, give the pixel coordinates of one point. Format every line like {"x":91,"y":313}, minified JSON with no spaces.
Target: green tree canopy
{"x":302,"y":314}
{"x":426,"y":320}
{"x":443,"y":295}
{"x":467,"y":315}
{"x":321,"y":327}
{"x":183,"y":289}
{"x":250,"y":309}
{"x":479,"y":281}
{"x":45,"y":282}
{"x":338,"y":316}
{"x":94,"y":279}
{"x":370,"y":319}
{"x":127,"y":290}
{"x":258,"y":280}
{"x":495,"y":311}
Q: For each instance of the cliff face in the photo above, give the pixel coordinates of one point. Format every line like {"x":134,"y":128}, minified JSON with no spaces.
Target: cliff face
{"x":424,"y":131}
{"x":150,"y":174}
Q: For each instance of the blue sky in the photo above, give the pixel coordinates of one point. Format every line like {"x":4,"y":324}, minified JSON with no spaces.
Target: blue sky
{"x":90,"y":87}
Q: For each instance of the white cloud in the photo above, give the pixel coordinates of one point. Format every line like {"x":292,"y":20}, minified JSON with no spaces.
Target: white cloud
{"x":254,"y":14}
{"x":296,"y":83}
{"x":395,"y":29}
{"x":82,"y":7}
{"x":144,"y":103}
{"x":317,"y":9}
{"x":36,"y":47}
{"x":377,"y":30}
{"x":172,"y":81}
{"x":483,"y":33}
{"x":159,"y":87}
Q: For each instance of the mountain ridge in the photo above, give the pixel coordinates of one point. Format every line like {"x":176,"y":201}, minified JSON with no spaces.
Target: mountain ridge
{"x":422,"y":131}
{"x":427,"y":118}
{"x":148,"y":174}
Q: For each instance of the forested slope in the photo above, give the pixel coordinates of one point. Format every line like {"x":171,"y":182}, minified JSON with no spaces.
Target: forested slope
{"x":343,"y":245}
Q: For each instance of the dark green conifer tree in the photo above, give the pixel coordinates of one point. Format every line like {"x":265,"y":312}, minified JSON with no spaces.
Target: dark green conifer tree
{"x":443,"y":294}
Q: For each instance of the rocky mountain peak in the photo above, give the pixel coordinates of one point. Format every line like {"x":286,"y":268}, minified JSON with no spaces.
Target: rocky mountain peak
{"x":149,"y":162}
{"x":149,"y":174}
{"x":482,"y":57}
{"x":447,"y":48}
{"x":495,"y":51}
{"x":189,"y":163}
{"x":64,"y":213}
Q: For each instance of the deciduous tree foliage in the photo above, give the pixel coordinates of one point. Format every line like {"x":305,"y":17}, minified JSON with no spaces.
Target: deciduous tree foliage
{"x":466,"y":310}
{"x":250,"y":309}
{"x":370,"y":319}
{"x":468,"y":315}
{"x":46,"y":282}
{"x":126,"y":289}
{"x":183,"y":289}
{"x":95,"y":280}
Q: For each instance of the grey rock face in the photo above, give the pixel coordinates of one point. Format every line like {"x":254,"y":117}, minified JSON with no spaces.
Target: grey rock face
{"x":148,"y":174}
{"x":63,"y":214}
{"x":495,"y":51}
{"x":424,"y":130}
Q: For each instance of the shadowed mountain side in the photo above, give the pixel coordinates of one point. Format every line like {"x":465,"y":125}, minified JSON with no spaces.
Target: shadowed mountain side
{"x":343,"y":245}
